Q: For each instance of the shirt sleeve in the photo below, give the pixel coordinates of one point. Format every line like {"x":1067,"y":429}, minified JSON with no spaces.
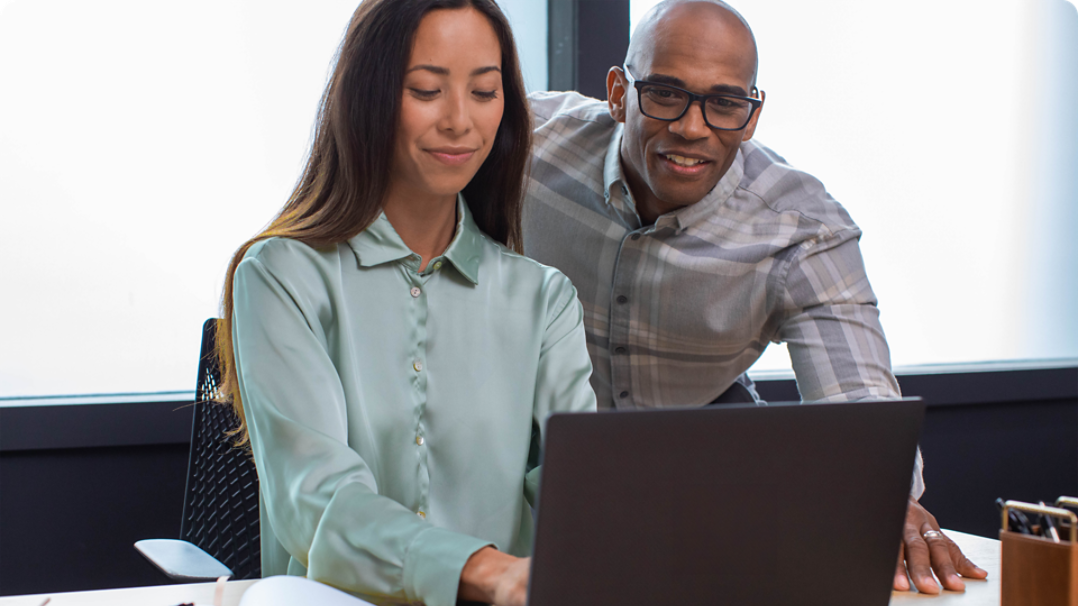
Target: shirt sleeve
{"x":563,"y":378}
{"x":831,"y":325}
{"x":321,"y":497}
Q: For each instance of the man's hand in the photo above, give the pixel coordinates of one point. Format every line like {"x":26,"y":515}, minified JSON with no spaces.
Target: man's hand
{"x":925,"y":550}
{"x":493,"y":577}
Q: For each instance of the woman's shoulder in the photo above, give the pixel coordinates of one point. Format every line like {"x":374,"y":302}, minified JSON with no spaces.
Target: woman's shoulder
{"x":292,"y":263}
{"x":279,"y":253}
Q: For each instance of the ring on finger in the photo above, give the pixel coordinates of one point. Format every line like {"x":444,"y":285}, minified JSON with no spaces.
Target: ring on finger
{"x":932,"y":534}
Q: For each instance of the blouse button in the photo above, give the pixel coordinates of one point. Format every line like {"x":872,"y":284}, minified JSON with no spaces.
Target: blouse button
{"x":418,"y":366}
{"x":422,"y":514}
{"x":437,"y":265}
{"x":419,"y":440}
{"x":415,"y":291}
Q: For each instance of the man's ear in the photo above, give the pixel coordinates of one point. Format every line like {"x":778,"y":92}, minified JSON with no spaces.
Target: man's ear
{"x":615,"y":93}
{"x":751,"y":128}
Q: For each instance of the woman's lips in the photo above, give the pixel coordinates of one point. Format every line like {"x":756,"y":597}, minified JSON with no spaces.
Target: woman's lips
{"x":452,"y":156}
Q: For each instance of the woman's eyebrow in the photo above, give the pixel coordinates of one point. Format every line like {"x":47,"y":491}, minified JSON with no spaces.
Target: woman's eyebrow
{"x":443,"y":71}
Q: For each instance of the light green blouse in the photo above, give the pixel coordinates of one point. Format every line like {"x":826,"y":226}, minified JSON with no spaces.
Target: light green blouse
{"x":391,"y":411}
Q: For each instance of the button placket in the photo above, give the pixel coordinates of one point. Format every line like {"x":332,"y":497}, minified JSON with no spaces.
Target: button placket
{"x":417,"y":290}
{"x":621,"y":309}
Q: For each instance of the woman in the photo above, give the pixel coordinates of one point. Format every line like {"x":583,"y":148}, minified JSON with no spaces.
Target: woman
{"x":389,"y":354}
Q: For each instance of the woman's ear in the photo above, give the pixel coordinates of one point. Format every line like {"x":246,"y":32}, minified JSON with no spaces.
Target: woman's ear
{"x":615,"y":93}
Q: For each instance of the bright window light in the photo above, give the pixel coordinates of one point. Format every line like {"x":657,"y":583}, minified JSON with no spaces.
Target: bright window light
{"x":140,"y":144}
{"x":947,"y":129}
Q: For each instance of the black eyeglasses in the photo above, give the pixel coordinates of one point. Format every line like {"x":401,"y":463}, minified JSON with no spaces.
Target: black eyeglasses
{"x":669,"y":103}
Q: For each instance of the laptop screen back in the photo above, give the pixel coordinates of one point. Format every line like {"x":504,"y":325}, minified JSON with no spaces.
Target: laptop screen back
{"x":784,"y":504}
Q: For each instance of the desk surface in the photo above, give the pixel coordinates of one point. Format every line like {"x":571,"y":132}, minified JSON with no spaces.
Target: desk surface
{"x":985,"y":552}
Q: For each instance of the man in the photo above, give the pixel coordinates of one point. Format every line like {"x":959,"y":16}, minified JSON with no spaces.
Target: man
{"x":691,"y":246}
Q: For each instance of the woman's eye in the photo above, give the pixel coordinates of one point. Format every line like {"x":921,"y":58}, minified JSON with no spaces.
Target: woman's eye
{"x":487,"y":95}
{"x":424,"y":94}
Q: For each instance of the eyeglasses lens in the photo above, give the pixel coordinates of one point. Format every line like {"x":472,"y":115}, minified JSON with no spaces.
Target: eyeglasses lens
{"x":720,"y":111}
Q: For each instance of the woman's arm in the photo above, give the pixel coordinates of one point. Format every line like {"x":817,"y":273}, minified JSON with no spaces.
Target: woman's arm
{"x":562,"y":382}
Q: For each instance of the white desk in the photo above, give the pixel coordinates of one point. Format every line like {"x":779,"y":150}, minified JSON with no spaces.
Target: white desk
{"x":985,"y":552}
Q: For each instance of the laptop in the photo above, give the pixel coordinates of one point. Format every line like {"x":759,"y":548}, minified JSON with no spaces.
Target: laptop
{"x":780,"y":505}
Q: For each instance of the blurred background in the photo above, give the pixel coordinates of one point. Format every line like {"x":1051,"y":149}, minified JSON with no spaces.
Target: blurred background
{"x":142,"y":142}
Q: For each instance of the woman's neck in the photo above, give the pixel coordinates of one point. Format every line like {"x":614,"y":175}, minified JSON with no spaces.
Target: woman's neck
{"x":425,"y":223}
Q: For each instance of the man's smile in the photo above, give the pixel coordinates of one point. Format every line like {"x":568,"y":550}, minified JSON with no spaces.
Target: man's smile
{"x":680,"y":164}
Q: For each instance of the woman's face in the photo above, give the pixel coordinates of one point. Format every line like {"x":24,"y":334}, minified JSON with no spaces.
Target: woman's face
{"x":451,"y":104}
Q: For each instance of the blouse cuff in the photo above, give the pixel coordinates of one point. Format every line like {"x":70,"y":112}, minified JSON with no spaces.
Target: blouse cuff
{"x":433,"y":565}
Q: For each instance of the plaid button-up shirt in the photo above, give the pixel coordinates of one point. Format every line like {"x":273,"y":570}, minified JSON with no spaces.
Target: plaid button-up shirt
{"x":675,"y":312}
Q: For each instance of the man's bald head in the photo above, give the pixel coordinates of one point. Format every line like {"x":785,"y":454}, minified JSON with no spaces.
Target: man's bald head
{"x":664,"y":19}
{"x":705,"y":48}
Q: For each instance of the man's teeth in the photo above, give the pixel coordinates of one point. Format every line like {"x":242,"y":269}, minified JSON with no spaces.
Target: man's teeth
{"x":682,"y":160}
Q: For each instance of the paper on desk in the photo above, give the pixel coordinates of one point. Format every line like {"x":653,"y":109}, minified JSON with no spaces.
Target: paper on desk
{"x":288,"y":591}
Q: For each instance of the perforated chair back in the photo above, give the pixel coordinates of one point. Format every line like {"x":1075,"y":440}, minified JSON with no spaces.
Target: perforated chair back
{"x":220,"y":505}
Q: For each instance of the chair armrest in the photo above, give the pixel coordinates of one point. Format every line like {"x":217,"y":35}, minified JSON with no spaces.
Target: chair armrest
{"x":182,"y":561}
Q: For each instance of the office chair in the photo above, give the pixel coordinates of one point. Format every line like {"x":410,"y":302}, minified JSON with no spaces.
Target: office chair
{"x":219,"y":531}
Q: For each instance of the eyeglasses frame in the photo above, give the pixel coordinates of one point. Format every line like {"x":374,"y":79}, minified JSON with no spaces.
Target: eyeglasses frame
{"x":693,"y":98}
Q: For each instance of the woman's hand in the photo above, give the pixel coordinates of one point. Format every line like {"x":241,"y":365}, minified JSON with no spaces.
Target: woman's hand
{"x":493,"y":577}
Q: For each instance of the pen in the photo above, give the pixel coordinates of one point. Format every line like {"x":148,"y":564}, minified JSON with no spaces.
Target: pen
{"x":1018,"y":521}
{"x":1049,"y":529}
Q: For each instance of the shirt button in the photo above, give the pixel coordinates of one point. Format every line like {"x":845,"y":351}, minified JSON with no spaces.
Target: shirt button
{"x":623,"y":394}
{"x":415,"y":291}
{"x":418,"y":366}
{"x":419,"y":440}
{"x":635,"y":236}
{"x":620,"y":350}
{"x":437,"y":265}
{"x":622,"y":299}
{"x":422,"y":514}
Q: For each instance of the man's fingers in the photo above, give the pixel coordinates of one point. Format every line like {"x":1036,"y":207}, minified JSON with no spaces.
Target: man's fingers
{"x":940,"y":553}
{"x":964,"y":565}
{"x":902,"y":582}
{"x":919,"y":563}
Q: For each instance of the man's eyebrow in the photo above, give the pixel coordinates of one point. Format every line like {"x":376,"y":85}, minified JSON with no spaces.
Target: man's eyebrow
{"x":442,"y":71}
{"x":723,"y":89}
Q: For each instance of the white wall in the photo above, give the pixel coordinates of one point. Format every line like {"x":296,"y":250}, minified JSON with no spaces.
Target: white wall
{"x":140,"y":144}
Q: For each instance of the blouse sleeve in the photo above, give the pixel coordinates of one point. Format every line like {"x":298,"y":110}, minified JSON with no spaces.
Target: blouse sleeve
{"x":321,"y":497}
{"x":562,"y":381}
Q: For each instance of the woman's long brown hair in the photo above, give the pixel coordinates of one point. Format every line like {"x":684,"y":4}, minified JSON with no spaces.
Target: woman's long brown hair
{"x":342,"y":188}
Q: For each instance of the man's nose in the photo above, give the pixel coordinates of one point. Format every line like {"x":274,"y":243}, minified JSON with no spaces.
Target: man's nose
{"x":692,"y":125}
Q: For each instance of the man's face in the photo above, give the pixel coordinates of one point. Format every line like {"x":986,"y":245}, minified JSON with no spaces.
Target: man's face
{"x":701,"y":48}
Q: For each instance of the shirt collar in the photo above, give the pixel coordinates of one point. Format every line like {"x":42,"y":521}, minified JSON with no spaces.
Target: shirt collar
{"x":612,"y":164}
{"x":715,"y":198}
{"x":380,"y":243}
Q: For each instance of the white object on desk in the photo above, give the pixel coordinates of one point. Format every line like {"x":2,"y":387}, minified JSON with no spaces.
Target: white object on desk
{"x":289,"y":591}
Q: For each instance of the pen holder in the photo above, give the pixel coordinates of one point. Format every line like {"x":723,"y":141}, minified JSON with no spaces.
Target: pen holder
{"x":1037,"y":571}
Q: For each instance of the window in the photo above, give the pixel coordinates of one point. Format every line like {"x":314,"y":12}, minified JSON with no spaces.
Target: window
{"x":948,"y":130}
{"x":141,"y":143}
